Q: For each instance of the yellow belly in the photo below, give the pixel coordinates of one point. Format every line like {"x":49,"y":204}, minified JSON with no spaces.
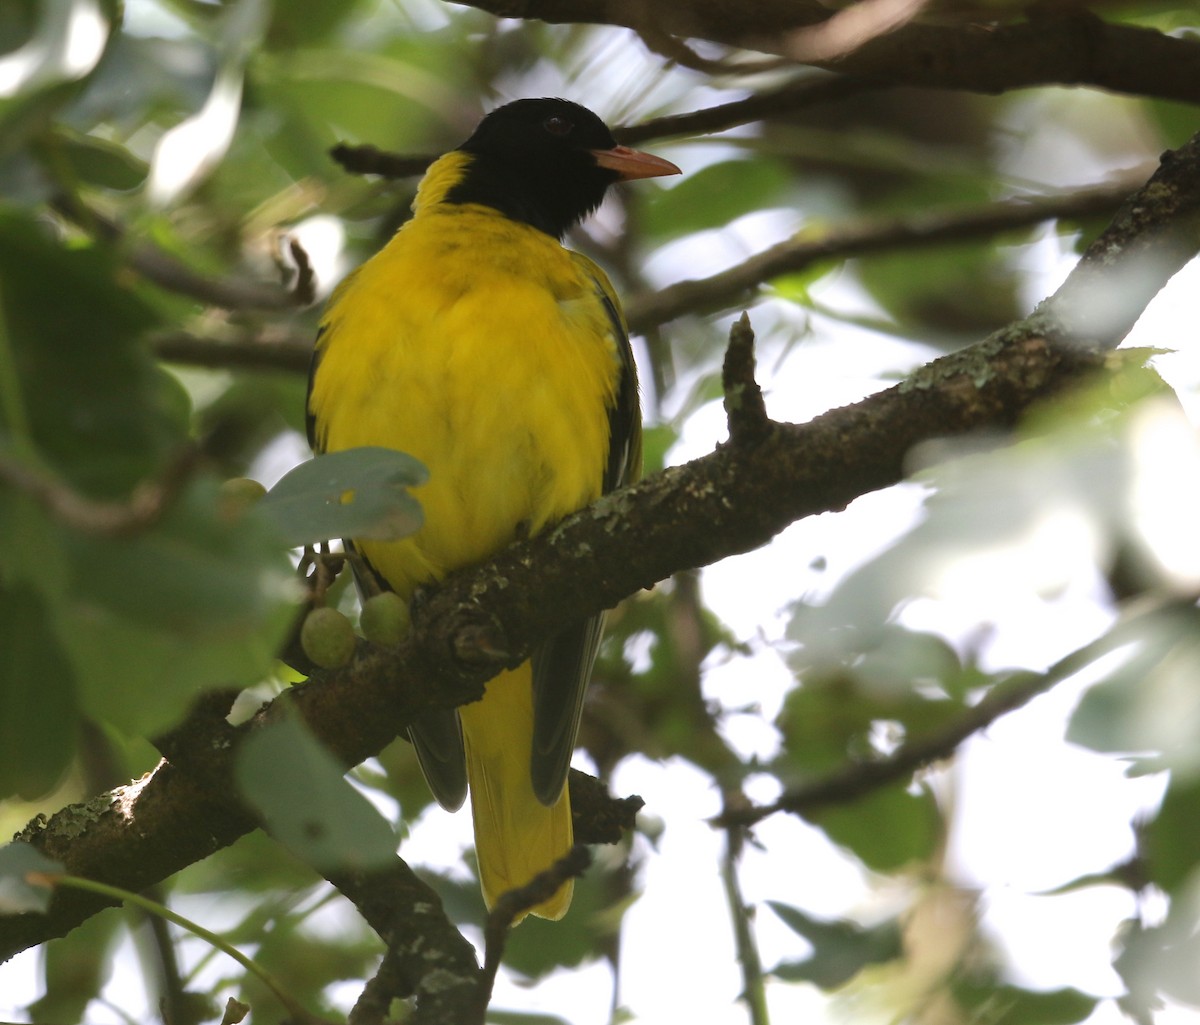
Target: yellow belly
{"x":478,"y":346}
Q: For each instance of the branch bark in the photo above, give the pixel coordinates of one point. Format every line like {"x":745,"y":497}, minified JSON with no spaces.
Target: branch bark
{"x":742,"y":495}
{"x":1053,"y":47}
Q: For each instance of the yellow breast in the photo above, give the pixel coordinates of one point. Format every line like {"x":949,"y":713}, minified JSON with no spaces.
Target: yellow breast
{"x":481,"y":347}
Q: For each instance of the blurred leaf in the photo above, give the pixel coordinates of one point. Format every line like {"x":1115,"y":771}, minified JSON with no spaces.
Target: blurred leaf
{"x":1147,"y":703}
{"x":824,"y":722}
{"x":715,"y":196}
{"x":296,"y":23}
{"x":841,"y":949}
{"x":306,"y":802}
{"x":256,"y":866}
{"x":306,"y":961}
{"x":1000,"y":1004}
{"x":887,"y":829}
{"x":960,"y":290}
{"x":75,"y":970}
{"x":1161,"y":961}
{"x":197,"y":601}
{"x":401,"y":780}
{"x":100,"y":162}
{"x":99,"y":409}
{"x":39,"y":720}
{"x":1170,"y":843}
{"x":495,"y":1017}
{"x":359,"y":493}
{"x":197,"y":571}
{"x":16,"y":895}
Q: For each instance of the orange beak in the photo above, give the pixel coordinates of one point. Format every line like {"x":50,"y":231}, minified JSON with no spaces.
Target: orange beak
{"x":631,"y":164}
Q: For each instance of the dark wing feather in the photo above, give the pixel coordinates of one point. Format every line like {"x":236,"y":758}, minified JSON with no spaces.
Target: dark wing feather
{"x":436,"y":735}
{"x":562,"y":665}
{"x":310,"y":418}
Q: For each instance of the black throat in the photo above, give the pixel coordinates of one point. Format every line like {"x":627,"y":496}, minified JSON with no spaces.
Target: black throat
{"x":552,"y":197}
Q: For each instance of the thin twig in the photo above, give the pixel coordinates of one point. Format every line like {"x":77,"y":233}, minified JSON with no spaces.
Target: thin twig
{"x":367,"y":159}
{"x":808,"y":91}
{"x":287,"y":354}
{"x":753,"y":989}
{"x":736,"y":284}
{"x":514,"y":904}
{"x":146,"y":505}
{"x":742,"y":281}
{"x":304,"y":288}
{"x":167,"y":271}
{"x":857,"y":779}
{"x":805,"y":92}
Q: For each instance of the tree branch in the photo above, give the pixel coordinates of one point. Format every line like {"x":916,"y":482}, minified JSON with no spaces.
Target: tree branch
{"x":742,"y":496}
{"x":426,"y":956}
{"x":148,"y":501}
{"x":1053,"y":47}
{"x":731,"y":286}
{"x":288,"y":354}
{"x":857,"y":779}
{"x":740,"y":283}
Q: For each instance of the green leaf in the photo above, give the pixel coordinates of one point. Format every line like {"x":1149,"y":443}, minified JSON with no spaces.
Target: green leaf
{"x":195,"y":602}
{"x":887,"y":829}
{"x":999,"y":1004}
{"x":1147,"y":703}
{"x":100,"y":162}
{"x":1161,"y":960}
{"x":38,"y":715}
{"x":841,"y":949}
{"x":17,"y":895}
{"x":1170,"y":841}
{"x":359,"y":493}
{"x":308,"y":805}
{"x":196,"y":571}
{"x":99,"y":409}
{"x":495,"y":1017}
{"x":76,"y":968}
{"x":716,"y":195}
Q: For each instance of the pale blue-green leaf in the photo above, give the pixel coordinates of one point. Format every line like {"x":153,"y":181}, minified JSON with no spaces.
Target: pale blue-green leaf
{"x":17,"y":894}
{"x":307,"y":803}
{"x":359,"y":493}
{"x":1147,"y":703}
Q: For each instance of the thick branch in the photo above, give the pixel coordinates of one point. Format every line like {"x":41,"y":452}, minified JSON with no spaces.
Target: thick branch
{"x":1059,"y":47}
{"x":426,"y":956}
{"x":688,"y":516}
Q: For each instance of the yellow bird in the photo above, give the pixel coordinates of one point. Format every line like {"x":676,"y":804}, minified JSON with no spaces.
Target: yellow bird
{"x":480,"y":345}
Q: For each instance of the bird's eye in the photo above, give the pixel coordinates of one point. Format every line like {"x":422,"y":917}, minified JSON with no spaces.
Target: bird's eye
{"x":557,"y":125}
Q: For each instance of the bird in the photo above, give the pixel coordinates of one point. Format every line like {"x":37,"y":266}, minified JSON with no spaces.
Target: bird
{"x":477,"y":342}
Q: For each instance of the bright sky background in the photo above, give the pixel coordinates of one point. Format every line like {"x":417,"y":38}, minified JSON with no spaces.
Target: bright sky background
{"x":1017,"y":782}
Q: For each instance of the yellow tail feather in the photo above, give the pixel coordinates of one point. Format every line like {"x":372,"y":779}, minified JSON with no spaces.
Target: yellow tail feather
{"x":516,"y":836}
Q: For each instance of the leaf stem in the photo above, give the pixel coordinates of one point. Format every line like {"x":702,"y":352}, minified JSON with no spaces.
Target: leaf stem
{"x":152,"y":907}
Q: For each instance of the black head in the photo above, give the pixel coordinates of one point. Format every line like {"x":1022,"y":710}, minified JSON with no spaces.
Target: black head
{"x":539,"y":161}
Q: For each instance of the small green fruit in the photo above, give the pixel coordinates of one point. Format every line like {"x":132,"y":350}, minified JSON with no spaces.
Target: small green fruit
{"x":384,"y":619}
{"x":237,"y":494}
{"x":327,"y":638}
